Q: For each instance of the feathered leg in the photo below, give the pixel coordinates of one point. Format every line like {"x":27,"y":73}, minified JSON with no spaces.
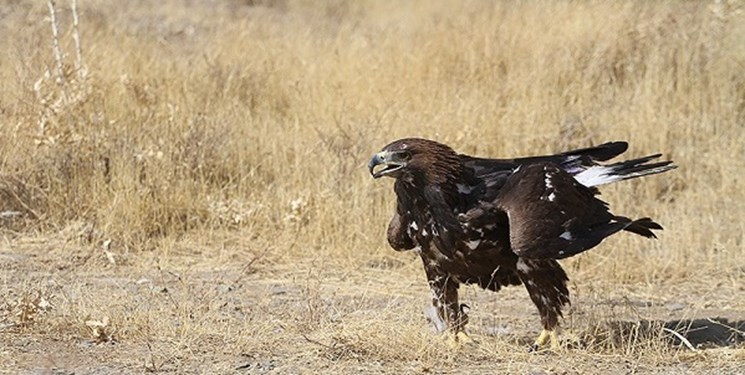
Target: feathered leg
{"x":446,"y":313}
{"x":545,"y":281}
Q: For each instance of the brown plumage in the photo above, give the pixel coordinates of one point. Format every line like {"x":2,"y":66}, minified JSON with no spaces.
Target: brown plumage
{"x":500,"y":222}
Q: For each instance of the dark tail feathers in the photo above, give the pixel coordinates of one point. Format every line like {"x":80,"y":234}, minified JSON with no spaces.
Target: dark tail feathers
{"x":642,"y":227}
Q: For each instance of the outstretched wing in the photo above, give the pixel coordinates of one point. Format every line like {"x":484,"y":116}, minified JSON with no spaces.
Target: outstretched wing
{"x":551,"y":215}
{"x":573,"y":161}
{"x":495,"y":172}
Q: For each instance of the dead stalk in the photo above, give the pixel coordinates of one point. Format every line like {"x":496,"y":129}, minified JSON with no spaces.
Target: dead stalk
{"x":55,"y":44}
{"x":681,"y":338}
{"x":76,"y":37}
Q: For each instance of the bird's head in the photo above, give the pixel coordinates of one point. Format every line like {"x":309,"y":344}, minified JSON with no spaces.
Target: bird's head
{"x":411,"y":157}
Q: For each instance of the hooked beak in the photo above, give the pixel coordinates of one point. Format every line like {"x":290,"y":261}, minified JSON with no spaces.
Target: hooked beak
{"x":387,"y":159}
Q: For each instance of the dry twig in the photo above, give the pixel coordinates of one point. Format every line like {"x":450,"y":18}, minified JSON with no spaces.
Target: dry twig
{"x":681,"y":338}
{"x":55,"y":43}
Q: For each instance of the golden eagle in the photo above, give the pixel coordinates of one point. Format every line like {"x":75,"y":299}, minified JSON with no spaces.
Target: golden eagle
{"x":500,"y":222}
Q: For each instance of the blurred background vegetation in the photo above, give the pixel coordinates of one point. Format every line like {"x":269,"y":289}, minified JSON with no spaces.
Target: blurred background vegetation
{"x":259,"y":116}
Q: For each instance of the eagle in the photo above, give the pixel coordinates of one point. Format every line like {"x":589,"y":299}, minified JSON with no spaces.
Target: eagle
{"x":504,"y":222}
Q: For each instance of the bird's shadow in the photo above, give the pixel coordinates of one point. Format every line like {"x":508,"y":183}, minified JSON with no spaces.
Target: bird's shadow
{"x":699,"y":333}
{"x":704,"y":332}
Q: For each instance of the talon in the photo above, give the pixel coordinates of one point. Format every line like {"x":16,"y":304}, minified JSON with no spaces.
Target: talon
{"x":459,"y":339}
{"x":453,"y":341}
{"x":546,"y":336}
{"x":554,"y":341}
{"x":463,"y":338}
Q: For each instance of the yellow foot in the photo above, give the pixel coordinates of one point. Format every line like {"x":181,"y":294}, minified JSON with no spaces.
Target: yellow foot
{"x":544,"y":337}
{"x":459,"y":340}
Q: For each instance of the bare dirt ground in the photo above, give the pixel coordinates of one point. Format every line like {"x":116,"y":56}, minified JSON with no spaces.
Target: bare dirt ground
{"x":220,"y":307}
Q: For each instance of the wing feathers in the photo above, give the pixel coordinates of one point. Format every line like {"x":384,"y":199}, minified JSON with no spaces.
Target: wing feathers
{"x":398,"y":236}
{"x":603,"y":152}
{"x":447,"y":229}
{"x":552,"y":216}
{"x":605,"y":174}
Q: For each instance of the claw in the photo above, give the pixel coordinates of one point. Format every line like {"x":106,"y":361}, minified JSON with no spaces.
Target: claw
{"x":544,"y":337}
{"x":459,"y":340}
{"x":463,"y":338}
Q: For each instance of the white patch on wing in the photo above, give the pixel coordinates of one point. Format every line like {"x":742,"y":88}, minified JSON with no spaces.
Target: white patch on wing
{"x":414,"y":225}
{"x":464,"y":189}
{"x":567,"y":235}
{"x":523,"y":267}
{"x":547,"y":180}
{"x":597,"y":175}
{"x":473,"y":244}
{"x":424,"y":232}
{"x":549,"y":185}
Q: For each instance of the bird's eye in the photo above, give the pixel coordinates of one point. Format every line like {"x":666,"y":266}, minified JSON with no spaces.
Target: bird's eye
{"x":405,"y":156}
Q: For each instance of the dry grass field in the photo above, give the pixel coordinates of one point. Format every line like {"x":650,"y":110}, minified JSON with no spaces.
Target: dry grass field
{"x":183,"y":190}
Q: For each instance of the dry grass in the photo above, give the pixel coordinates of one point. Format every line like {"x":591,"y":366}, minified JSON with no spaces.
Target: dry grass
{"x":190,"y":196}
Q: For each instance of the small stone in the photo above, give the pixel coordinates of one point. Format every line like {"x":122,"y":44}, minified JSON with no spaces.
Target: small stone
{"x":675,"y":306}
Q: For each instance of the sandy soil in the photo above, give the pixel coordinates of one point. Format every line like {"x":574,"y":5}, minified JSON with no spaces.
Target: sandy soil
{"x":180,"y":311}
